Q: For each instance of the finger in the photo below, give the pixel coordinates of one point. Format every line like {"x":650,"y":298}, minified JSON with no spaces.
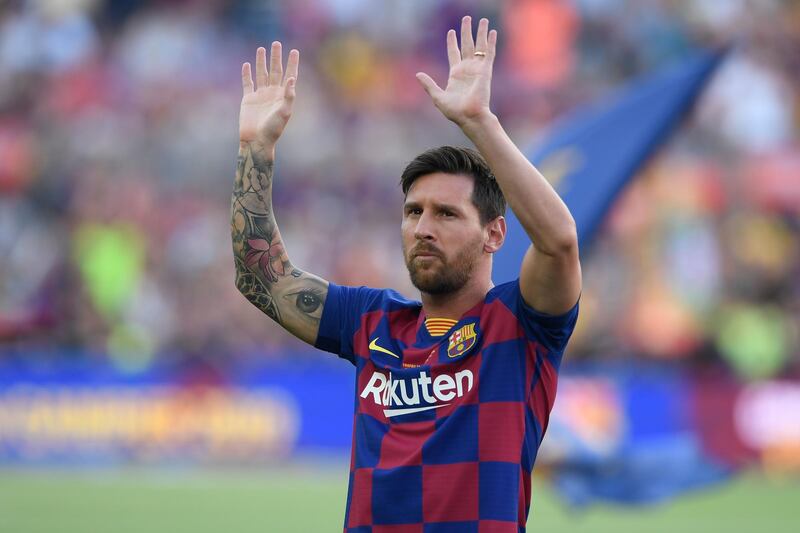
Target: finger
{"x":275,"y":64}
{"x":247,"y":79}
{"x":481,"y":38}
{"x":429,"y":85}
{"x":292,"y":65}
{"x":492,"y":43}
{"x":261,"y":67}
{"x":467,"y":45}
{"x":453,"y":54}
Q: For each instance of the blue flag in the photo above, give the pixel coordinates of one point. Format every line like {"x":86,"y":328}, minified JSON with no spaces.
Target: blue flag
{"x":591,"y":156}
{"x":638,"y":444}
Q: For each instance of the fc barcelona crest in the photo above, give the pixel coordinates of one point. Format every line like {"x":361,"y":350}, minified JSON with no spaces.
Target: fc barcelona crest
{"x":462,"y":340}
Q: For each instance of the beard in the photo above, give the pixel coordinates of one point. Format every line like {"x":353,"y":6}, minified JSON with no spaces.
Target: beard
{"x":440,"y":275}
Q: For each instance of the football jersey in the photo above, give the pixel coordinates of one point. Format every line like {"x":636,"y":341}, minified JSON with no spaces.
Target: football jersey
{"x":445,"y":428}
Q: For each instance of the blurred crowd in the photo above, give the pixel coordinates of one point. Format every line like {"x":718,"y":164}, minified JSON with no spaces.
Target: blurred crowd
{"x":118,"y":139}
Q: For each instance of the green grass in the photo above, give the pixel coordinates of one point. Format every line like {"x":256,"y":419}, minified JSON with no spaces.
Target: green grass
{"x":303,"y":499}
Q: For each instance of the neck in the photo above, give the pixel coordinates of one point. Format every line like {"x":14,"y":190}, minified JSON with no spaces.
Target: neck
{"x":455,"y":304}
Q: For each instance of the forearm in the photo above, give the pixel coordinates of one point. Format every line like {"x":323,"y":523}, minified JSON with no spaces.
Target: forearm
{"x":541,"y":212}
{"x":264,"y":273}
{"x":254,"y":231}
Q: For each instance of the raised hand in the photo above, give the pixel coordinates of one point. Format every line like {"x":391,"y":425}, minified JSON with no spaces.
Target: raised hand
{"x":267,"y":105}
{"x":466,"y":96}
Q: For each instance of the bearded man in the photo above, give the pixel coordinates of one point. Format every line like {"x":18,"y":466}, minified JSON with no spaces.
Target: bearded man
{"x":453,"y":393}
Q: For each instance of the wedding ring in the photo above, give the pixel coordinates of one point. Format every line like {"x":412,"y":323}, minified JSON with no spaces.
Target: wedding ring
{"x":482,"y":54}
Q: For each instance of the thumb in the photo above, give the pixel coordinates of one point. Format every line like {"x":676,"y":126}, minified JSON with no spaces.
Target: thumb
{"x":288,"y":98}
{"x":429,"y":85}
{"x":289,"y":92}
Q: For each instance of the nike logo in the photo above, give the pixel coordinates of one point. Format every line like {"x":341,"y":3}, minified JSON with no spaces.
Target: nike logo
{"x":388,"y":413}
{"x":373,"y":345}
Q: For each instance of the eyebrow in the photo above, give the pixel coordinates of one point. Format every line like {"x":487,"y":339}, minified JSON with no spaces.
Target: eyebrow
{"x":448,"y":207}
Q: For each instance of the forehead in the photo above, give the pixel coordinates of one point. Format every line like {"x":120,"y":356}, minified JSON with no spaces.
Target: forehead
{"x":442,"y":188}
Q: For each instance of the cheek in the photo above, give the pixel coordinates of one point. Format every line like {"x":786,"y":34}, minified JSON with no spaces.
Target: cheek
{"x":470,"y":243}
{"x":463,"y":234}
{"x":406,"y":233}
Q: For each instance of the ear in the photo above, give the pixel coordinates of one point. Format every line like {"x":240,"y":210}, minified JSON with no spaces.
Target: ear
{"x":495,"y":235}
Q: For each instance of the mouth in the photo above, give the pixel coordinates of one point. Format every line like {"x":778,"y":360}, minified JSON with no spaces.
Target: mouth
{"x":426,"y":254}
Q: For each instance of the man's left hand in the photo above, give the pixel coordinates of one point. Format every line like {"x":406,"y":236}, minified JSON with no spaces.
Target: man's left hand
{"x":466,"y":98}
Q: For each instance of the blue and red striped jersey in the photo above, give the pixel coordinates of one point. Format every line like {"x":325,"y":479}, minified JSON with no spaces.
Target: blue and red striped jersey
{"x":446,"y":428}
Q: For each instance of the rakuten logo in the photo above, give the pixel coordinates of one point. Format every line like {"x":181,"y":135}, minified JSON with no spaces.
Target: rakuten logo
{"x":398,"y":394}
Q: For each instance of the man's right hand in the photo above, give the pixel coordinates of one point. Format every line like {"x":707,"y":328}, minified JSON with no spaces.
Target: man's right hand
{"x":267,"y":105}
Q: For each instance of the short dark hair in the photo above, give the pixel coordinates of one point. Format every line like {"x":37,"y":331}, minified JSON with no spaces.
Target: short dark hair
{"x":486,"y":195}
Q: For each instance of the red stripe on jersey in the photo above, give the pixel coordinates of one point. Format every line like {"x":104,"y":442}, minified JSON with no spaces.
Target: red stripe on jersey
{"x":523,"y":499}
{"x":361,"y":501}
{"x":403,"y":325}
{"x":399,"y":528}
{"x":362,"y":336}
{"x":495,"y":526}
{"x":368,"y":405}
{"x":543,"y":394}
{"x":450,"y":492}
{"x":525,"y":495}
{"x":499,"y":324}
{"x":439,"y":326}
{"x":402,"y":444}
{"x":501,"y":431}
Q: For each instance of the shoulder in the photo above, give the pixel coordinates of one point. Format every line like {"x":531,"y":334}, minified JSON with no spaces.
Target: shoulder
{"x":510,"y":294}
{"x":369,"y":299}
{"x":347,"y":309}
{"x":504,"y":305}
{"x":396,"y":300}
{"x":503,"y":290}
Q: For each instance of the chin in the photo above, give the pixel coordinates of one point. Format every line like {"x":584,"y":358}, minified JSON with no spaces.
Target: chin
{"x":423,"y":281}
{"x":432,"y":283}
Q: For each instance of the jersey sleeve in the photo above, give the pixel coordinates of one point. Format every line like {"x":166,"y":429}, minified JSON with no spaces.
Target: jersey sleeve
{"x":341,"y":317}
{"x":552,"y":331}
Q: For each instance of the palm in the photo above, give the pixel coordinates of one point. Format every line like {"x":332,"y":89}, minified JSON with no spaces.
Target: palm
{"x":468,"y":88}
{"x":266,"y":110}
{"x":263,"y":113}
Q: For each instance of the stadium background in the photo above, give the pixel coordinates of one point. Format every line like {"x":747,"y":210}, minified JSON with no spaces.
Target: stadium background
{"x":139,"y":389}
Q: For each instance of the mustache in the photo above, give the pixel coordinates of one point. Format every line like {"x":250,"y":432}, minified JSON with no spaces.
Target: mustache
{"x":424,"y":248}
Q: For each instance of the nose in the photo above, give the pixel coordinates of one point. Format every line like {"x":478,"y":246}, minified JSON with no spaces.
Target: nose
{"x":424,"y":228}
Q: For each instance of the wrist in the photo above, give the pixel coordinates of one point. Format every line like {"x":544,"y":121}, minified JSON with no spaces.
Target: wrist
{"x":478,"y":123}
{"x":264,"y":150}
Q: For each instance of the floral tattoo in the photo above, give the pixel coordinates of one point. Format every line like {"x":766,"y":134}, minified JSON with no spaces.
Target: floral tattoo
{"x":264,"y":274}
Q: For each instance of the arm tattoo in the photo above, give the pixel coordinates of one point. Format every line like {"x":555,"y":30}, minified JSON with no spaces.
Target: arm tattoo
{"x":264,"y":274}
{"x":256,"y":291}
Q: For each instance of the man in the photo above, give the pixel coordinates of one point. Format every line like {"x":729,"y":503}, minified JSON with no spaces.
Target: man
{"x":452,"y":394}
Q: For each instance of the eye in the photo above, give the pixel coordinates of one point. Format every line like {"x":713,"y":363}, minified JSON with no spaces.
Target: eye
{"x":308,"y":301}
{"x":413,"y":211}
{"x":447,"y":214}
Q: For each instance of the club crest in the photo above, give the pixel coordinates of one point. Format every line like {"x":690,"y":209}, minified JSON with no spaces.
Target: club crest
{"x":461,"y":340}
